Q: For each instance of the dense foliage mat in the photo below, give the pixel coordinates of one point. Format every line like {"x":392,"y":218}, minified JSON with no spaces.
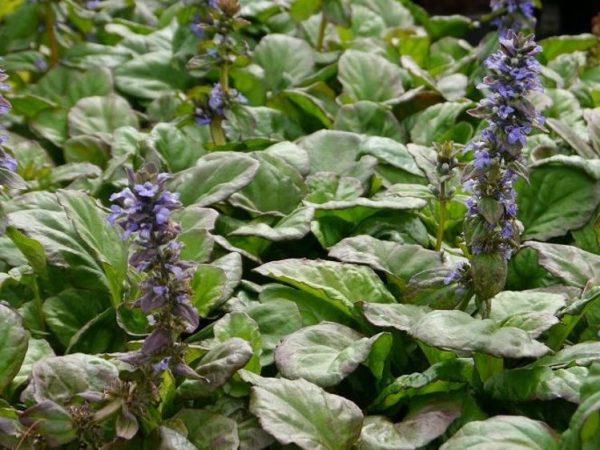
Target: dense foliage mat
{"x":310,"y":273}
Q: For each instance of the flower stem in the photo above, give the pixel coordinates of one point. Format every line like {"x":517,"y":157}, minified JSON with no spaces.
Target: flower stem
{"x":38,"y":302}
{"x":52,"y":42}
{"x":224,"y":77}
{"x":322,"y":29}
{"x":217,"y":133}
{"x":486,"y":308}
{"x":442,"y":218}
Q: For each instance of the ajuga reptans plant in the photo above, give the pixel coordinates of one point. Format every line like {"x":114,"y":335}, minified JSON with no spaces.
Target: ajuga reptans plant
{"x":143,"y":211}
{"x":215,"y":25}
{"x":491,"y":227}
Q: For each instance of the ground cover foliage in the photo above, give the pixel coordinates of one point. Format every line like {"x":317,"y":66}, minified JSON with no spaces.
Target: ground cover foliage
{"x":322,"y":297}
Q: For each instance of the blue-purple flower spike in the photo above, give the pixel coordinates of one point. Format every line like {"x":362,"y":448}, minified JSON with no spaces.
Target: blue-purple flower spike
{"x":518,"y":14}
{"x":218,"y":102}
{"x":143,"y":211}
{"x":491,"y":227}
{"x":513,"y":74}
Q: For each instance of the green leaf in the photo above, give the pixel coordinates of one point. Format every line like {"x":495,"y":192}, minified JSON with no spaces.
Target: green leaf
{"x":99,"y":335}
{"x":274,"y":175}
{"x":392,"y":153}
{"x":37,"y":350}
{"x":87,"y":149}
{"x":292,"y":227}
{"x":537,"y":383}
{"x":428,"y":126}
{"x":93,"y":115}
{"x":276,"y":319}
{"x":213,"y":284}
{"x":286,"y":61}
{"x":298,"y":412}
{"x":70,"y":310}
{"x":593,"y":120}
{"x":92,"y":227}
{"x":571,"y":137}
{"x":559,"y":197}
{"x":168,"y":439}
{"x":514,"y":432}
{"x":51,"y":421}
{"x":325,"y":354}
{"x":217,"y":367}
{"x":445,"y":376}
{"x":370,"y":118}
{"x":399,"y":316}
{"x":401,"y":261}
{"x":214,"y":178}
{"x":241,"y":325}
{"x":458,"y":331}
{"x":323,"y":148}
{"x":576,"y":267}
{"x":558,"y":45}
{"x":72,"y":231}
{"x":60,"y":378}
{"x":66,"y":86}
{"x":340,"y":284}
{"x":301,"y":10}
{"x":534,"y":312}
{"x":416,"y":430}
{"x":392,"y":12}
{"x":180,"y":147}
{"x":337,"y":12}
{"x":312,"y":309}
{"x":360,"y":82}
{"x":209,"y":431}
{"x":442,"y":26}
{"x":583,"y":428}
{"x":15,"y":340}
{"x":151,"y":76}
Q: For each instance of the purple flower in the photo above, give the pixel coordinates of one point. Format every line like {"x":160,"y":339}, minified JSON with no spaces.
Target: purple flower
{"x":513,"y":74}
{"x":482,"y":160}
{"x":162,"y":365}
{"x":8,"y":162}
{"x":144,"y":212}
{"x":198,"y":29}
{"x":519,"y":14}
{"x":218,"y":102}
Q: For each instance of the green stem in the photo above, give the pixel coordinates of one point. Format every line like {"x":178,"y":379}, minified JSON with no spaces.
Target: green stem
{"x":224,"y":77}
{"x":322,"y":29}
{"x":486,"y":308}
{"x":442,"y":218}
{"x":52,"y":42}
{"x":39,"y":305}
{"x":561,"y":332}
{"x":217,"y":133}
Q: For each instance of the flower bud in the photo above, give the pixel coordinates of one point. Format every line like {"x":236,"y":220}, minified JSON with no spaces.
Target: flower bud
{"x":489,"y":272}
